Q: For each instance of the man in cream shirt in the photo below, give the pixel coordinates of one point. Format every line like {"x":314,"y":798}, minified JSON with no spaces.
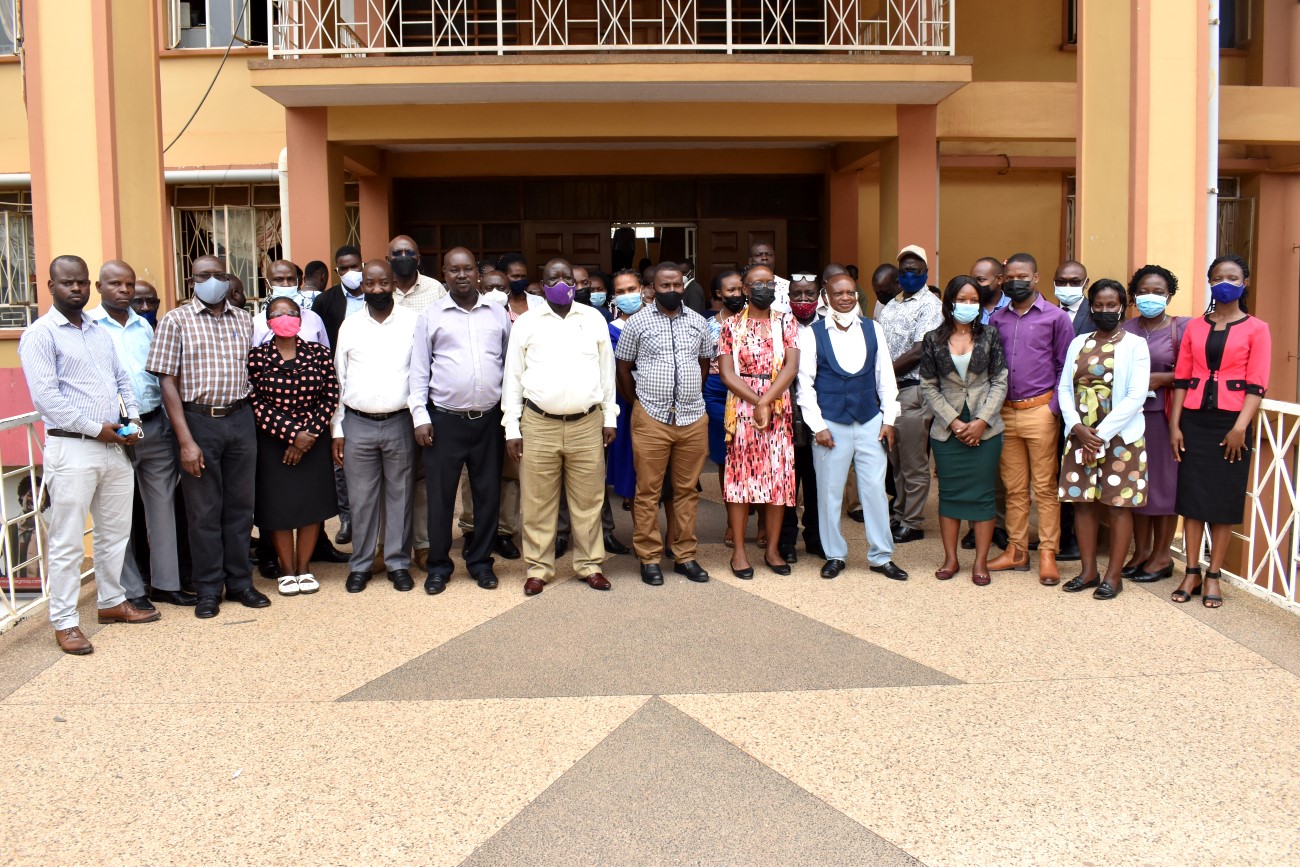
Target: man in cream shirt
{"x":559,"y":414}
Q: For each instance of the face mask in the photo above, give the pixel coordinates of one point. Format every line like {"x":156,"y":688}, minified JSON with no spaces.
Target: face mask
{"x":212,"y":290}
{"x":734,"y":303}
{"x":404,"y":266}
{"x":598,"y":299}
{"x":628,"y":303}
{"x":351,"y":281}
{"x":561,"y":293}
{"x":762,"y":297}
{"x":803,"y":310}
{"x":583,"y":296}
{"x":965,"y":312}
{"x":285,"y":325}
{"x":519,"y":287}
{"x":1068,"y":295}
{"x":1019,"y":290}
{"x":1106,"y":321}
{"x":1150,"y":306}
{"x":669,"y":300}
{"x":496,"y":296}
{"x":1225,"y":293}
{"x":844,"y":318}
{"x":284,"y":291}
{"x":150,"y":316}
{"x":381,"y":302}
{"x":912,"y":281}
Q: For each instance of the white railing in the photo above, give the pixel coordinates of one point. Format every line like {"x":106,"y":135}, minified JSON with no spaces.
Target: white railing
{"x":375,"y":28}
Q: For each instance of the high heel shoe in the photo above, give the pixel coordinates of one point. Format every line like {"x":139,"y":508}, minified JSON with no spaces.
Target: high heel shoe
{"x":778,"y":568}
{"x":1211,"y":600}
{"x":1180,"y":595}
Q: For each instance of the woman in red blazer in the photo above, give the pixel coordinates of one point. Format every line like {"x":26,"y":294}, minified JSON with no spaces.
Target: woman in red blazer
{"x":1219,"y":381}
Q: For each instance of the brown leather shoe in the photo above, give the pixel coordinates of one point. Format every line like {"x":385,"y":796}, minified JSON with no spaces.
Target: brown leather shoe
{"x":125,"y":612}
{"x":596,"y":581}
{"x":533,"y":586}
{"x":421,"y":559}
{"x":71,"y":640}
{"x":1012,"y":558}
{"x":1048,"y":574}
{"x":378,"y":567}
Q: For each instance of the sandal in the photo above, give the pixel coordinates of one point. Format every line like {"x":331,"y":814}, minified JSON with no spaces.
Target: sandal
{"x":1180,"y":595}
{"x":308,"y":583}
{"x":1212,"y":600}
{"x":289,"y":585}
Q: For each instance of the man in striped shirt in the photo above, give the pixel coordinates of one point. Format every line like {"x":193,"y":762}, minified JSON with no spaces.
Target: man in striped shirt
{"x":81,"y":391}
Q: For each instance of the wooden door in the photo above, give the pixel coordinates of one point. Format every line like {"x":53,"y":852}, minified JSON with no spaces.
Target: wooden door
{"x":723,"y":245}
{"x":585,"y":244}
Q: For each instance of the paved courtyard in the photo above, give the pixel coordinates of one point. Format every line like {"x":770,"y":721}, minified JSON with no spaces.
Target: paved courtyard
{"x":784,"y":720}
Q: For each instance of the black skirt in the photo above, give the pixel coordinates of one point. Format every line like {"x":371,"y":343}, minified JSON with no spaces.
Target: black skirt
{"x":291,"y":497}
{"x":1210,"y":488}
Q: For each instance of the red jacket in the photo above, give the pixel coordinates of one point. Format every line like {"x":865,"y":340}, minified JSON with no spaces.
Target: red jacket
{"x":1243,"y":370}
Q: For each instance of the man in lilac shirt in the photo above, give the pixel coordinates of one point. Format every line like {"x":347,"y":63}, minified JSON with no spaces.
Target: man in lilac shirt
{"x":1035,"y":337}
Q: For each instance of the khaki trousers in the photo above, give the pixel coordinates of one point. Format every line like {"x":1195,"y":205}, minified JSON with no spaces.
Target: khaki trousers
{"x":1029,"y":458}
{"x":568,"y":455}
{"x":658,"y":446}
{"x":910,"y":459}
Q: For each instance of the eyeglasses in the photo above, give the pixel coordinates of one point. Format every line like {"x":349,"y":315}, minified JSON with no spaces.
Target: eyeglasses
{"x":402,"y":254}
{"x":144,"y":303}
{"x":803,"y":278}
{"x":771,"y":284}
{"x":1073,"y":282}
{"x":271,"y":316}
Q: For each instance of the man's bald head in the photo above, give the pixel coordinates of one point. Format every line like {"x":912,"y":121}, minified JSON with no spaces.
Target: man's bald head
{"x":116,"y":286}
{"x":116,"y":266}
{"x":403,"y":243}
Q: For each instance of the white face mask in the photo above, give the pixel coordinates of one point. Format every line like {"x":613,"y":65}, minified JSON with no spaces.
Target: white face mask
{"x":351,"y":280}
{"x":1068,"y":295}
{"x":845,"y":319}
{"x":496,"y":296}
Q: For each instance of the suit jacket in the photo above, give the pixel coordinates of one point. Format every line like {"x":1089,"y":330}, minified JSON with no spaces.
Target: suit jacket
{"x":983,"y":390}
{"x":331,"y":306}
{"x":1082,"y":319}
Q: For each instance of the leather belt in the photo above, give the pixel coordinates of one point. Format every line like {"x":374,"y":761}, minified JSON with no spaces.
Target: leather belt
{"x":471,"y":414}
{"x":153,"y":413}
{"x":376,"y":416}
{"x":215,"y":411}
{"x":1031,"y":402}
{"x":571,"y":417}
{"x":72,"y":435}
{"x":907,"y":383}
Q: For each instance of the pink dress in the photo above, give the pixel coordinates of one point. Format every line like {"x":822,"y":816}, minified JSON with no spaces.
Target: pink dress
{"x":760,"y":463}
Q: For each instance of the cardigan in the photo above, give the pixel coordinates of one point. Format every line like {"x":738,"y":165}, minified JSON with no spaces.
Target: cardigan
{"x":1132,"y":376}
{"x":983,"y":390}
{"x":1244,"y":369}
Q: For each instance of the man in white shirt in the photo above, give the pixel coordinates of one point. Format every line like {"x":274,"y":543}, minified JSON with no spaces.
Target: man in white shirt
{"x":849,"y":401}
{"x":559,"y":414}
{"x":373,"y":439}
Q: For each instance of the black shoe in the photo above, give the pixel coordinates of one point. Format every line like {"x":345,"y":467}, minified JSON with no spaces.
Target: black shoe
{"x":652,"y":574}
{"x":143,"y":603}
{"x":249,"y":598}
{"x":778,"y":568}
{"x":402,"y":579}
{"x":327,"y":553}
{"x":561,"y":545}
{"x":614,"y":546}
{"x":1144,"y":577}
{"x":1078,"y":584}
{"x":356,"y":582}
{"x":506,"y":548}
{"x":815,"y":549}
{"x":968,"y":541}
{"x":173,"y":597}
{"x":832,"y":568}
{"x":788,"y":553}
{"x":269,"y":568}
{"x":1106,"y":591}
{"x":1069,"y":551}
{"x":207,"y":606}
{"x":856,"y":515}
{"x":746,"y":573}
{"x":344,"y":535}
{"x":908,"y":534}
{"x":433,"y":585}
{"x":891,"y":570}
{"x":692,"y":570}
{"x":1000,"y":538}
{"x":487,"y":579}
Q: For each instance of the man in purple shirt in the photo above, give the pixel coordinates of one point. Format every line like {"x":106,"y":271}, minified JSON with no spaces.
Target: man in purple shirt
{"x":1035,"y":337}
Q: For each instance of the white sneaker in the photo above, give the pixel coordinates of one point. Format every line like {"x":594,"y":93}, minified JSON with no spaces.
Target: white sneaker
{"x":308,"y":583}
{"x":289,"y":585}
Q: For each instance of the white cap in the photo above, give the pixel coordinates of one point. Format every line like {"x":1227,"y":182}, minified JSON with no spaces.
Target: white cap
{"x":913,"y":250}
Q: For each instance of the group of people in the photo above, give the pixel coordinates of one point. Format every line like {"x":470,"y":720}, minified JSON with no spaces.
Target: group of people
{"x":379,"y":398}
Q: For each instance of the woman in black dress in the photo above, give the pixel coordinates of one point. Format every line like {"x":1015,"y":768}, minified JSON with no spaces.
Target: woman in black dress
{"x":294,"y":395}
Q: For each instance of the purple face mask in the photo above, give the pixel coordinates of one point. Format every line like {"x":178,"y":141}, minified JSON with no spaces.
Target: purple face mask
{"x":560,"y":293}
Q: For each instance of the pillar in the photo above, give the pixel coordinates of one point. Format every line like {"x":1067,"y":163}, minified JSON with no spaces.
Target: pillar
{"x":842,"y":213}
{"x":318,"y":224}
{"x":909,"y":186}
{"x":375,"y":207}
{"x":95,"y":136}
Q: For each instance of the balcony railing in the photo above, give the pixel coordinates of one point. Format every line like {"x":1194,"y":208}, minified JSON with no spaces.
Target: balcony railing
{"x":377,"y":28}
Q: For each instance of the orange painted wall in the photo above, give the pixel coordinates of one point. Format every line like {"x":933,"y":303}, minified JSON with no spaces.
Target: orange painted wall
{"x":14,"y":155}
{"x":237,"y":126}
{"x":1009,"y":43}
{"x":982,"y":213}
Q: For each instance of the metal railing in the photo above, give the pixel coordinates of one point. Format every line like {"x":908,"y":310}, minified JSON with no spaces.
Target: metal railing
{"x":376,"y":28}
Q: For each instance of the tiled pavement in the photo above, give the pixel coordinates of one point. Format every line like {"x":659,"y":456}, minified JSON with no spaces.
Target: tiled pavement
{"x":775,"y":721}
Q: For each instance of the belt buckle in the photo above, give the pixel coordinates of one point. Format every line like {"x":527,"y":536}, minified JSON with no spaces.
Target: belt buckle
{"x":474,"y":414}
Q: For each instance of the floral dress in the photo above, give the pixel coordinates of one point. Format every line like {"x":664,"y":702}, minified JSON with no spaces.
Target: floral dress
{"x":760,"y":463}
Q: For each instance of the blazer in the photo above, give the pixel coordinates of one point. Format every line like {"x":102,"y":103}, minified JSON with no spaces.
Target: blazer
{"x":1082,"y":318}
{"x":982,"y":391}
{"x":1244,"y":369}
{"x":1128,"y":388}
{"x":331,"y":307}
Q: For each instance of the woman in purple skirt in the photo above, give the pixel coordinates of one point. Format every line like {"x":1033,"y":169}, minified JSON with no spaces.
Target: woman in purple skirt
{"x":1155,"y":521}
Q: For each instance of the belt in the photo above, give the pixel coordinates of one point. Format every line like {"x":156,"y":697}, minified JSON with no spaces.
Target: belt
{"x":376,"y":416}
{"x":1031,"y":402}
{"x":55,"y":432}
{"x":907,"y":383}
{"x":153,"y":413}
{"x":461,"y":413}
{"x":570,"y":417}
{"x":215,"y":411}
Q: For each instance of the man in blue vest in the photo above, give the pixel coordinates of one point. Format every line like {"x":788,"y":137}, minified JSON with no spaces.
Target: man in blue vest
{"x":849,"y":399}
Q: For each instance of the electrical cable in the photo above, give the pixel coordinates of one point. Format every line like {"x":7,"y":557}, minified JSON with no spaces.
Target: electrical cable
{"x":233,"y":35}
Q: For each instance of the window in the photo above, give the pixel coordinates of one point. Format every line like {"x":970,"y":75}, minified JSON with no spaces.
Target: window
{"x":1236,"y":220}
{"x":352,"y":212}
{"x":238,"y":223}
{"x":1068,"y":229}
{"x":10,"y":27}
{"x":215,"y":23}
{"x":17,"y":260}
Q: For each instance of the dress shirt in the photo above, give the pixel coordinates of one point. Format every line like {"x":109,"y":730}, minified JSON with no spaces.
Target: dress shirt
{"x":986,"y":315}
{"x":667,"y":351}
{"x":132,"y":343}
{"x":1035,"y":345}
{"x":851,"y":352}
{"x":356,"y":303}
{"x":207,"y":352}
{"x":425,"y":291}
{"x":312,"y":331}
{"x":906,"y":320}
{"x":73,"y":374}
{"x":565,"y":365}
{"x":373,"y":363}
{"x":458,"y":357}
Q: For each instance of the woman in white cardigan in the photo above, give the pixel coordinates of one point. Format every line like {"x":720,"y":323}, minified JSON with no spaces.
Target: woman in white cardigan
{"x":1102,"y":390}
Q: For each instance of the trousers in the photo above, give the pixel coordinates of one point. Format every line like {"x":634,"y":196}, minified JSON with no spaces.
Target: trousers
{"x":569,"y":456}
{"x":377,"y":458}
{"x":858,"y":446}
{"x":1030,"y":459}
{"x":658,"y":446}
{"x":478,"y":446}
{"x":155,"y":479}
{"x":219,"y":502}
{"x":911,"y":458}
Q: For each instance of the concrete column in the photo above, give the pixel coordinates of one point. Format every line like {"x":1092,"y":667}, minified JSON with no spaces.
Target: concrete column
{"x":316,"y":215}
{"x":842,"y":216}
{"x":909,"y":185}
{"x":375,"y":208}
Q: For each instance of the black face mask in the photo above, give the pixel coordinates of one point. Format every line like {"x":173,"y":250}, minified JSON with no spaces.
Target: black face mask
{"x":519,"y":287}
{"x":669,"y":300}
{"x":1106,"y":321}
{"x":583,"y":296}
{"x":1019,"y":290}
{"x":762,"y":298}
{"x":404,"y":266}
{"x":734,"y":303}
{"x":380,"y":302}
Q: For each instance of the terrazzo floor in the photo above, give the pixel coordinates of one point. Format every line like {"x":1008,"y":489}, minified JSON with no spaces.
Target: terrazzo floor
{"x":783,"y":720}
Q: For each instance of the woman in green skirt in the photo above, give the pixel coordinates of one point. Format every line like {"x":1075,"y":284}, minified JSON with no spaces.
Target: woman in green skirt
{"x":964,"y":382}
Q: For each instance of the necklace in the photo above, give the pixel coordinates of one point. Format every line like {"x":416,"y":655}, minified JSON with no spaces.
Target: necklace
{"x":1160,"y":324}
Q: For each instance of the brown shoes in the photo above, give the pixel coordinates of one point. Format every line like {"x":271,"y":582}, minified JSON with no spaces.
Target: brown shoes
{"x":125,"y":612}
{"x":596,"y":581}
{"x":1048,"y":574}
{"x":73,"y":641}
{"x":377,"y":566}
{"x":533,"y":586}
{"x":1012,"y":558}
{"x":421,"y":559}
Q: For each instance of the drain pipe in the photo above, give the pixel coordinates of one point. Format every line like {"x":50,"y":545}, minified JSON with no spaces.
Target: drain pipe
{"x":1212,"y":142}
{"x":283,"y":172}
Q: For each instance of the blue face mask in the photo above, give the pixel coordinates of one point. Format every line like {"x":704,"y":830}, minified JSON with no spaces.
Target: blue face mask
{"x":628,"y":303}
{"x":1226,"y":293}
{"x":965,"y":312}
{"x":598,"y":299}
{"x":150,"y":316}
{"x":1151,"y":306}
{"x":912,"y":281}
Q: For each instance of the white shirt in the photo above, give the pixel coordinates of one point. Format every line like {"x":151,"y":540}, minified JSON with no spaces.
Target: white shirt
{"x":373,"y":363}
{"x":851,"y":352}
{"x":425,"y":291}
{"x":782,"y":302}
{"x":565,"y":365}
